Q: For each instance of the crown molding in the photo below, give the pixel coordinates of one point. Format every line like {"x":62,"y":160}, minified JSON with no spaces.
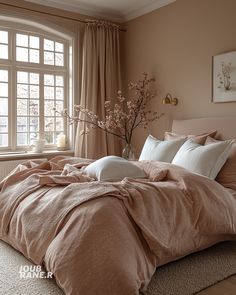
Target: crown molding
{"x":104,"y":13}
{"x":81,"y":8}
{"x":144,"y":9}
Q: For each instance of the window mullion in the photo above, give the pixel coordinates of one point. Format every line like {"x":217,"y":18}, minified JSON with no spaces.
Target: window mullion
{"x":41,"y":106}
{"x":66,"y":102}
{"x":13,"y":108}
{"x":13,"y":93}
{"x":41,"y":92}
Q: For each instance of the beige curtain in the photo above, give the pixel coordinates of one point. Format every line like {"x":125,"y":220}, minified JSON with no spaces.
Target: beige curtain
{"x":101,"y":80}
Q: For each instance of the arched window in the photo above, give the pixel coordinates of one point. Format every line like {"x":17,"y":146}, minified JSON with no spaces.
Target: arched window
{"x":34,"y":78}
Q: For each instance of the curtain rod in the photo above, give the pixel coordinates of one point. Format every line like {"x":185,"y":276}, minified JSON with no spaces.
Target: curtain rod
{"x":51,"y":14}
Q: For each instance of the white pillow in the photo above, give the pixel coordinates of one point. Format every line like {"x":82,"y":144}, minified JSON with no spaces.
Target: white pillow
{"x":158,"y":150}
{"x":112,"y":168}
{"x":206,"y":160}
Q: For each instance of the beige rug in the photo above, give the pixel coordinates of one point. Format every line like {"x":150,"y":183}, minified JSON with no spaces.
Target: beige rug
{"x":195,"y":272}
{"x":184,"y":277}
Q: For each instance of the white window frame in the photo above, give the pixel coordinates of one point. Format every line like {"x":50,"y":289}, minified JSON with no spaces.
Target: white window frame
{"x":13,"y":66}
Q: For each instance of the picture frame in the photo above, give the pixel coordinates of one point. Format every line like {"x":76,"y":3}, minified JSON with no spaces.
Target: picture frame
{"x":224,"y":77}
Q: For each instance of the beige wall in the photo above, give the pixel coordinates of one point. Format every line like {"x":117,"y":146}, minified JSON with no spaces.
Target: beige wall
{"x":176,"y":44}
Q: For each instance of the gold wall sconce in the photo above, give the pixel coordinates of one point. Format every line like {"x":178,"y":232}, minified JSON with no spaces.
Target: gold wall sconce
{"x":170,"y":100}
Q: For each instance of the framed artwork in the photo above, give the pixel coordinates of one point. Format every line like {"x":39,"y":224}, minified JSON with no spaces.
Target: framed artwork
{"x":224,"y":77}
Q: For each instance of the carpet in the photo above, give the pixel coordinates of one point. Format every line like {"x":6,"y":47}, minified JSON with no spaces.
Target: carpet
{"x":183,"y":277}
{"x":195,"y":272}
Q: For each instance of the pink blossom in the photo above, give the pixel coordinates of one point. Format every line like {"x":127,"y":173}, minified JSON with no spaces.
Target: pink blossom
{"x":126,"y":115}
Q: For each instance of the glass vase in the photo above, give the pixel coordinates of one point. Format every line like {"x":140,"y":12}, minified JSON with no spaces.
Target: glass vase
{"x":128,"y":152}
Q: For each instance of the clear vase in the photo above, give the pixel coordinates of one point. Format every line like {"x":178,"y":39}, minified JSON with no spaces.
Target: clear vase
{"x":128,"y":152}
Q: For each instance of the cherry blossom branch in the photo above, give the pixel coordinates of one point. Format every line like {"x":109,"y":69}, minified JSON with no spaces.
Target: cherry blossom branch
{"x":124,"y":116}
{"x":77,"y":119}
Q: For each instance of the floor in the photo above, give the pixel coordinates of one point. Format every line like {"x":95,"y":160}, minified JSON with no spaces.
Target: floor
{"x":226,"y":287}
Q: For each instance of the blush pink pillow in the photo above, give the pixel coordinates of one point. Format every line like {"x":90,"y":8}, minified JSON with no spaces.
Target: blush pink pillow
{"x":200,"y":139}
{"x":227,"y":174}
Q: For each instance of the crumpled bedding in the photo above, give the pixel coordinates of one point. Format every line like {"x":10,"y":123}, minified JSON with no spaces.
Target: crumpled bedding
{"x":108,"y":238}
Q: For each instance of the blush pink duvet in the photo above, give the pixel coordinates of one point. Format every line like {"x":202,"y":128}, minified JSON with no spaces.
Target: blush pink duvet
{"x":108,"y":238}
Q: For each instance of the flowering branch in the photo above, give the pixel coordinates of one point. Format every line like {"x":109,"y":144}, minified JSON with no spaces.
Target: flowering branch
{"x":126,"y":115}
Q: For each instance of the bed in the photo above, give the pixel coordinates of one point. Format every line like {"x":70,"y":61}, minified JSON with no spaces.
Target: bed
{"x":108,"y":238}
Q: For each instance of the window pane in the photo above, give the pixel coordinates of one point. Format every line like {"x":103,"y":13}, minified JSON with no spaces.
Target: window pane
{"x":59,"y":106}
{"x":59,"y":59}
{"x":34,"y":56}
{"x":48,"y":92}
{"x":34,"y":78}
{"x":59,"y":81}
{"x":3,"y":106}
{"x":48,"y":108}
{"x":3,"y":51}
{"x":34,"y":91}
{"x":3,"y":140}
{"x":22,"y":124}
{"x":22,"y":91}
{"x":3,"y":124}
{"x":59,"y":124}
{"x":22,"y":77}
{"x":34,"y":107}
{"x":4,"y":37}
{"x":34,"y":42}
{"x":22,"y":40}
{"x":22,"y":138}
{"x":48,"y":45}
{"x":22,"y":107}
{"x":49,"y":137}
{"x":49,"y":124}
{"x":56,"y":134}
{"x":59,"y":93}
{"x":3,"y":89}
{"x":53,"y":123}
{"x":48,"y":58}
{"x":33,"y":137}
{"x":3,"y":76}
{"x":59,"y":47}
{"x":49,"y":80}
{"x":22,"y":54}
{"x":34,"y":124}
{"x":28,"y":103}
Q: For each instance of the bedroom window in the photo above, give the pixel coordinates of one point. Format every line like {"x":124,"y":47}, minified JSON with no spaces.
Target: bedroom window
{"x":34,"y":79}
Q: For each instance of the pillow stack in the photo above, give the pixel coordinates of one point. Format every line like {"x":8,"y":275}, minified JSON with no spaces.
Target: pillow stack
{"x":165,"y":151}
{"x":200,"y":154}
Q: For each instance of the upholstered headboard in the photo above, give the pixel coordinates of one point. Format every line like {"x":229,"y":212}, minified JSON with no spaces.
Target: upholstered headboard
{"x":226,"y":126}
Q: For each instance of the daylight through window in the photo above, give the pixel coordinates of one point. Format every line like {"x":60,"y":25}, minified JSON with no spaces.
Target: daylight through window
{"x":33,"y":80}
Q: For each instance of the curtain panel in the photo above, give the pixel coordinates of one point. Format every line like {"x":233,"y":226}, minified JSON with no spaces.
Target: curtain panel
{"x":101,"y":79}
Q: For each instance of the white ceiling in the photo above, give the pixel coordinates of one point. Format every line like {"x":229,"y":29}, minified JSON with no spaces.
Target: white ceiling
{"x":115,"y":10}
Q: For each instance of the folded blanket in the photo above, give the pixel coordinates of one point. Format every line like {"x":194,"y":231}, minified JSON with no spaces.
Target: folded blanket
{"x":108,"y":238}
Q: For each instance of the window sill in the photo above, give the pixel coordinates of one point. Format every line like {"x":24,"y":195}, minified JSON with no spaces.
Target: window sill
{"x":30,"y":155}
